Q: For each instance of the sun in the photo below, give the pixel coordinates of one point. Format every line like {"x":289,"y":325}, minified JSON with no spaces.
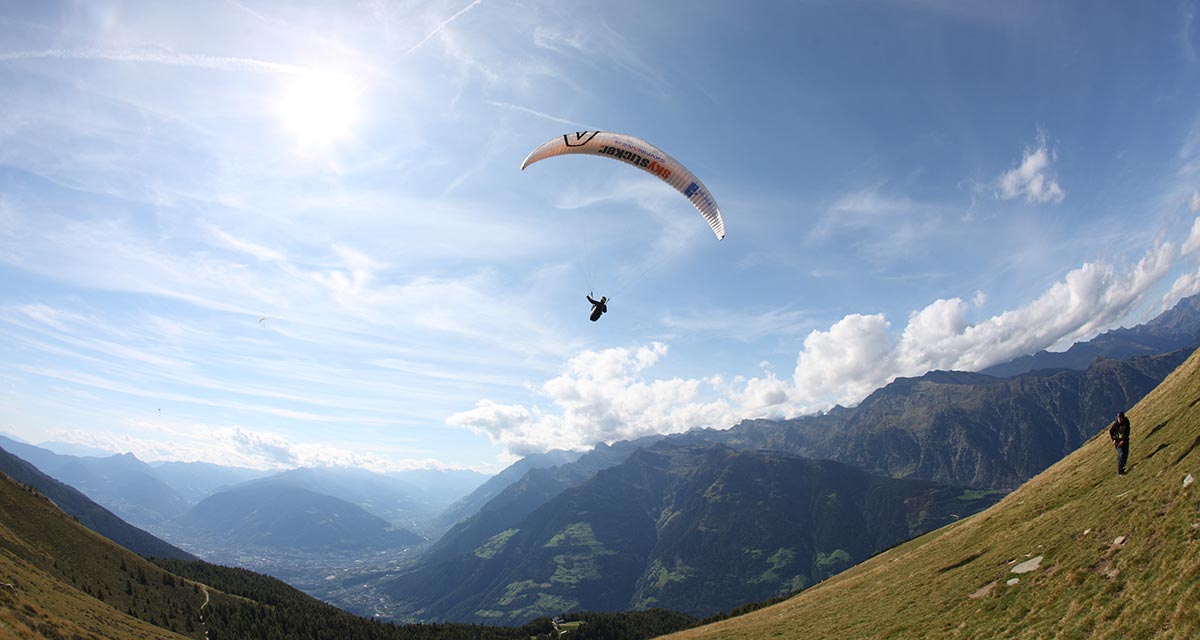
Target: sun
{"x":319,"y":109}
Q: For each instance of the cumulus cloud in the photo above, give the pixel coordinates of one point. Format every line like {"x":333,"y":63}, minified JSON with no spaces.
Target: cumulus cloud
{"x":1034,"y":178}
{"x":1194,"y":202}
{"x":496,"y":420}
{"x":1087,"y":301}
{"x":603,"y":396}
{"x":845,"y":362}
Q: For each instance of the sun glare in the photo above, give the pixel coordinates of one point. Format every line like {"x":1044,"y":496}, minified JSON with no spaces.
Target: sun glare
{"x":319,"y":109}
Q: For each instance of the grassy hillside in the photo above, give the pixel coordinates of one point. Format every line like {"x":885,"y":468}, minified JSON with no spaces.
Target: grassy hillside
{"x":61,"y":580}
{"x":1077,"y":552}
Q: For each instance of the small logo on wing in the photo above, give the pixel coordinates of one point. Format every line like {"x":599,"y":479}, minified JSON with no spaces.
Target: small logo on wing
{"x":691,"y":190}
{"x":579,"y":138}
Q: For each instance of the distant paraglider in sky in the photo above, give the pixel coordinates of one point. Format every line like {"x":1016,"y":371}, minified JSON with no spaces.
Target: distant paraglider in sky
{"x":641,"y":154}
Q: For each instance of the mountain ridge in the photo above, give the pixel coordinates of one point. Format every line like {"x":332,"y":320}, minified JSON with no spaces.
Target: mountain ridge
{"x":87,"y":512}
{"x":964,"y":428}
{"x":280,"y":516}
{"x":1078,"y":551}
{"x":681,"y":524}
{"x":531,"y":490}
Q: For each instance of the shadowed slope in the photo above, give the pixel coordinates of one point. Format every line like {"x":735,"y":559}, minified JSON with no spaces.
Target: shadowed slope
{"x":60,"y":580}
{"x":88,"y":513}
{"x":1107,"y":556}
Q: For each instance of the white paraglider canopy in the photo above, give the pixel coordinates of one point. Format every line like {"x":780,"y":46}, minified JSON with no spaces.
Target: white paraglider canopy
{"x":641,"y":154}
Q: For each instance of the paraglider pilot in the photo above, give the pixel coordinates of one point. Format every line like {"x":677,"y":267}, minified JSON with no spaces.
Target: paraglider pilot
{"x":598,"y":306}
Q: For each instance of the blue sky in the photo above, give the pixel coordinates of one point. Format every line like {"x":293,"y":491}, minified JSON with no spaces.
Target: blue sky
{"x":278,"y":234}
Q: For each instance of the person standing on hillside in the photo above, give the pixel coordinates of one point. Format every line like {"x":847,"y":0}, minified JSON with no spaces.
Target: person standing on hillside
{"x":1119,"y":432}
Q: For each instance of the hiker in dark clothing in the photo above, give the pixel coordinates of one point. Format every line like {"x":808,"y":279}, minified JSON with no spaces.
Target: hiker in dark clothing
{"x":599,"y":307}
{"x":1119,"y":432}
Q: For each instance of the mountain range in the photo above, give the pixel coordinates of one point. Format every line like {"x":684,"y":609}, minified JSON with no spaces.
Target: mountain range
{"x":87,"y":512}
{"x":158,"y":496}
{"x":684,"y":525}
{"x":697,"y":522}
{"x":136,"y":491}
{"x":284,"y":518}
{"x":958,"y":429}
{"x":471,"y":503}
{"x":965,"y":428}
{"x":1077,"y":552}
{"x":412,"y":499}
{"x":534,"y":488}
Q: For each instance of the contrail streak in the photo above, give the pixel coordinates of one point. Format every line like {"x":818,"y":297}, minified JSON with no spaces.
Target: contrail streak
{"x":199,"y":61}
{"x":517,"y":107}
{"x":443,"y":25}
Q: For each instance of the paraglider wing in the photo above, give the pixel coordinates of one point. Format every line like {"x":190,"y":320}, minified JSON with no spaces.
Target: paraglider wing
{"x":641,"y":154}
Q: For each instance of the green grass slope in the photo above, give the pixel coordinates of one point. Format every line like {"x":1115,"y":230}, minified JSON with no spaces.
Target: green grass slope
{"x":61,"y":580}
{"x":1076,"y":552}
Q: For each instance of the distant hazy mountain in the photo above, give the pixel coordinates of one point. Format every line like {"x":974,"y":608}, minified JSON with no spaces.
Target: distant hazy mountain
{"x":87,"y":512}
{"x":469,"y":504}
{"x":408,"y":499}
{"x":126,"y":485}
{"x":195,"y":481}
{"x":532,"y":490}
{"x":152,"y":494}
{"x":439,"y":488}
{"x":45,"y":460}
{"x":683,"y":525}
{"x":72,"y":449}
{"x":965,"y":428}
{"x":121,"y":483}
{"x":282,"y":517}
{"x":1177,"y":328}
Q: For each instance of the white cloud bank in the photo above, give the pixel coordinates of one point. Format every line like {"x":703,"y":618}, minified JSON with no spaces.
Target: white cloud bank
{"x":235,"y":446}
{"x":610,"y":395}
{"x":1034,"y":178}
{"x":602,"y":396}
